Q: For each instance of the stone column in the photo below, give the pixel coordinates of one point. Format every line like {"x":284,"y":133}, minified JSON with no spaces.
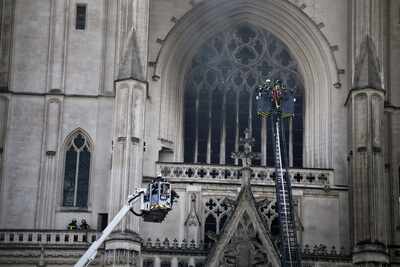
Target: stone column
{"x":4,"y":106}
{"x":157,"y":261}
{"x":370,"y":194}
{"x":123,"y":247}
{"x":174,"y":262}
{"x":46,"y":197}
{"x":192,"y":262}
{"x":369,"y":185}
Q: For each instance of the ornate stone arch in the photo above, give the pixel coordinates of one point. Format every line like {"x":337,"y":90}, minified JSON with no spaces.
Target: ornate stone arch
{"x":283,"y":19}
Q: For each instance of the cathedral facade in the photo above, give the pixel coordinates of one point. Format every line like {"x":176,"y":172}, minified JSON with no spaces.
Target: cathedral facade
{"x":98,"y":97}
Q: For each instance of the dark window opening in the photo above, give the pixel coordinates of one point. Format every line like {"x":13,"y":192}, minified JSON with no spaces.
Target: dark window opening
{"x":222,"y":222}
{"x":102,"y":221}
{"x":210,"y":227}
{"x":219,"y":103}
{"x":148,"y":263}
{"x":80,"y":22}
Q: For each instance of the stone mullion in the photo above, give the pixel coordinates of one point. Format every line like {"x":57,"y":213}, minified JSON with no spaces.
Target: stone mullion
{"x":222,"y":156}
{"x":76,"y":177}
{"x":290,"y":122}
{"x":264,"y":141}
{"x":196,"y":143}
{"x":210,"y":99}
{"x":237,"y":126}
{"x":157,"y":261}
{"x":251,"y":114}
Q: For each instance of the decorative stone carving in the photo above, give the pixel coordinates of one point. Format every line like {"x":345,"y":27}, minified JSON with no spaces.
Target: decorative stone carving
{"x":192,"y":222}
{"x":117,"y":257}
{"x":245,"y":247}
{"x":245,"y":239}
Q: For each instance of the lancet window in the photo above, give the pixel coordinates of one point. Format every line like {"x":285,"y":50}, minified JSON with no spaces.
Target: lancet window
{"x":220,"y":89}
{"x":77,"y":171}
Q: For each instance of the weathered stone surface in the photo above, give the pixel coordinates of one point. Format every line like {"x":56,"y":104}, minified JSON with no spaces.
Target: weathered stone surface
{"x":44,"y":57}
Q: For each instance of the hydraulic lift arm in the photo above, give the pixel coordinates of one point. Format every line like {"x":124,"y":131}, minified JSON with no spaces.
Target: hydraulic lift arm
{"x":90,"y":254}
{"x":155,"y":202}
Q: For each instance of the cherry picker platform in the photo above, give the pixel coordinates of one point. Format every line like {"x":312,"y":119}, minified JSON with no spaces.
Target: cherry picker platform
{"x":155,"y":202}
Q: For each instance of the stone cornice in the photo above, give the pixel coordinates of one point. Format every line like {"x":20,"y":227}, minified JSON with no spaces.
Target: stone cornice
{"x":57,"y":94}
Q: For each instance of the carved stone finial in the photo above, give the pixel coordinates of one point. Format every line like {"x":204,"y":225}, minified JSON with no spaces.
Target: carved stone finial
{"x":246,"y":155}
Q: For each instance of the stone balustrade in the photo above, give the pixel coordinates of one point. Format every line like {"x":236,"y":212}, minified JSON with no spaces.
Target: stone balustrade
{"x":232,"y":174}
{"x":78,"y":237}
{"x":153,"y":250}
{"x":47,"y":237}
{"x":160,"y":244}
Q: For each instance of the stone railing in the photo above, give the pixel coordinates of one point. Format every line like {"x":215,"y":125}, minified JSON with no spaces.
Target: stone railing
{"x":47,"y":237}
{"x":319,"y":250}
{"x":166,"y":244}
{"x":310,"y":253}
{"x":153,"y":250}
{"x":232,"y":174}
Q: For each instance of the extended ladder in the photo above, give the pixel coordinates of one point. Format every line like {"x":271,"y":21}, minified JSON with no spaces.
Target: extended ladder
{"x":289,"y":248}
{"x":274,"y":99}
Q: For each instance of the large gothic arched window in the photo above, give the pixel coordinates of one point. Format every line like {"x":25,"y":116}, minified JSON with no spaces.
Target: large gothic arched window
{"x":220,"y":96}
{"x":77,"y":171}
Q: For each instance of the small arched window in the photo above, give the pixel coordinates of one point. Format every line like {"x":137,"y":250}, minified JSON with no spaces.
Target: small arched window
{"x":77,"y":171}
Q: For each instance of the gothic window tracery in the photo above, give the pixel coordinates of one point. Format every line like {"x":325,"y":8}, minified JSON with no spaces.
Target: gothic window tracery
{"x":268,"y":211}
{"x":220,"y":96}
{"x":77,"y":171}
{"x":216,"y":213}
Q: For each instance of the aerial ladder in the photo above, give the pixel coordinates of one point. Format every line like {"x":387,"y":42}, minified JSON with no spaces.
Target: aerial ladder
{"x":277,"y":102}
{"x":155,"y":202}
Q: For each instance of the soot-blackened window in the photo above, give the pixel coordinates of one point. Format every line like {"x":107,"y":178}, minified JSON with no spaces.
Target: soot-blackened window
{"x":80,"y":22}
{"x":220,"y":97}
{"x":76,"y":171}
